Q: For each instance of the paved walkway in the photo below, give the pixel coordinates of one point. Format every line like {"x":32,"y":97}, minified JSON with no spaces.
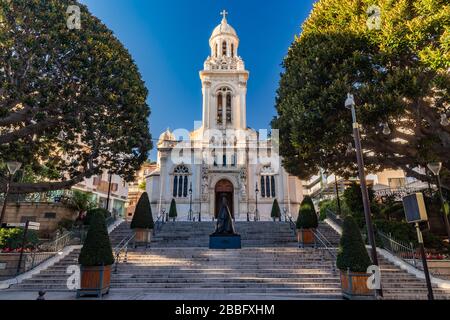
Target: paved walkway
{"x":133,"y":295}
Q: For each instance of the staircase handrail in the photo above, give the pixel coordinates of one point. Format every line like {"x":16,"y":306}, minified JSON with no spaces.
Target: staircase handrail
{"x":122,"y":247}
{"x":160,"y":222}
{"x":401,"y":250}
{"x":326,"y":244}
{"x":334,"y":217}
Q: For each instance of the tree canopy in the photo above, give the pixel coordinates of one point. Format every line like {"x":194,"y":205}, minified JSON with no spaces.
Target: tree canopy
{"x":400,"y":77}
{"x":72,"y":102}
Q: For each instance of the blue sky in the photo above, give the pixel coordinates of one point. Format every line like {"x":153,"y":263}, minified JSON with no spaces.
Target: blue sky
{"x":169,"y":42}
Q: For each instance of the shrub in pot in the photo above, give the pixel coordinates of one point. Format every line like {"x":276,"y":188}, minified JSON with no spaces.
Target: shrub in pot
{"x":276,"y":212}
{"x":307,"y":221}
{"x":353,"y":261}
{"x":173,"y":210}
{"x":142,"y":222}
{"x":96,"y":257}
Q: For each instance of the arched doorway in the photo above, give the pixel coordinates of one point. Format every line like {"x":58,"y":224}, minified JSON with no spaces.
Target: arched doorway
{"x":224,"y":187}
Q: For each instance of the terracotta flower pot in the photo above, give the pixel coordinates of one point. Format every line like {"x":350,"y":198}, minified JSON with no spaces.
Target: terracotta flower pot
{"x":95,"y":280}
{"x":354,"y":285}
{"x":305,"y":237}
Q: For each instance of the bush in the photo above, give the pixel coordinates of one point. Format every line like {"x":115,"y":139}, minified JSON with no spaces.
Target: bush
{"x":307,"y":217}
{"x":353,"y":199}
{"x":400,"y":230}
{"x":143,"y":218}
{"x":65,"y":224}
{"x":97,"y":249}
{"x":12,"y":238}
{"x":276,"y":212}
{"x":173,"y":209}
{"x":91,"y":212}
{"x":393,"y":210}
{"x":352,"y":251}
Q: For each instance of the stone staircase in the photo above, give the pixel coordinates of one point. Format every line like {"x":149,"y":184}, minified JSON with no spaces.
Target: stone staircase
{"x":270,"y":266}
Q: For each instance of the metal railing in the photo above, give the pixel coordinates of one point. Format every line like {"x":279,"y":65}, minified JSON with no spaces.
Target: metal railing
{"x":122,"y":249}
{"x":334,"y":217}
{"x":399,"y":193}
{"x":47,"y":250}
{"x":292,"y":225}
{"x":160,"y":222}
{"x":57,"y":196}
{"x":405,"y":251}
{"x":321,"y":241}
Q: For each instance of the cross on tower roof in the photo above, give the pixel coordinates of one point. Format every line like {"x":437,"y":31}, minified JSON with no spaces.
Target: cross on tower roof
{"x":224,"y":13}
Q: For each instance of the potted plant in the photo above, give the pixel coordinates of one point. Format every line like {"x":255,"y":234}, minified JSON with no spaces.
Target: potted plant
{"x":276,"y":212}
{"x":173,"y":210}
{"x":307,"y":221}
{"x":96,"y":258}
{"x":353,"y":261}
{"x":142,"y":222}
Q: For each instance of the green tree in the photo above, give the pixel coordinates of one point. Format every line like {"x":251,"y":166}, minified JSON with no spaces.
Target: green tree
{"x":276,"y":212}
{"x":353,"y":199}
{"x":307,"y":217}
{"x":81,"y":201}
{"x":143,"y":218}
{"x":173,"y":210}
{"x":97,"y":249}
{"x":398,"y":74}
{"x":72,"y":102}
{"x":352,"y":251}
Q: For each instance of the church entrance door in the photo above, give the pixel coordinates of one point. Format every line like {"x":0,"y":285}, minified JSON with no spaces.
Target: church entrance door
{"x":224,"y":188}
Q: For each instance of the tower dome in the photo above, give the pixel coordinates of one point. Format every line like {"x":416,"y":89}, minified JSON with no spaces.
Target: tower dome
{"x":224,"y":41}
{"x":223,"y":28}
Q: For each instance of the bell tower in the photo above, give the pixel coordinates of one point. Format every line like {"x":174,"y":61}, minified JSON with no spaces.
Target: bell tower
{"x":224,"y":81}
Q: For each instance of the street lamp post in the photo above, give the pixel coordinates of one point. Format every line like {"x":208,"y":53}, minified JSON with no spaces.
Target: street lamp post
{"x":436,"y":167}
{"x":350,"y":103}
{"x":337,"y":195}
{"x":190,"y":202}
{"x":13,"y":166}
{"x":256,"y":202}
{"x":108,"y":199}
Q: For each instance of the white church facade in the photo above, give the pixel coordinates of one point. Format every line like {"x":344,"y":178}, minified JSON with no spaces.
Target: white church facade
{"x":222,"y":156}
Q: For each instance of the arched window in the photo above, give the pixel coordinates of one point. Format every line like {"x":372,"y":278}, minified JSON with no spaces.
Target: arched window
{"x":228,"y":108}
{"x":232,"y":50}
{"x":273,"y":186}
{"x":224,"y":48}
{"x":219,"y":108}
{"x":263,"y":187}
{"x":180,"y":182}
{"x":268,"y":185}
{"x":216,"y":49}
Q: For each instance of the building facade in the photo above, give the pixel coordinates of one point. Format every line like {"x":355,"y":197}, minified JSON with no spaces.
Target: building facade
{"x":100,"y":184}
{"x":222,"y":157}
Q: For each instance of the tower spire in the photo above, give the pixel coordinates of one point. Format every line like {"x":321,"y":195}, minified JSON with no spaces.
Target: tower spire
{"x":224,"y":13}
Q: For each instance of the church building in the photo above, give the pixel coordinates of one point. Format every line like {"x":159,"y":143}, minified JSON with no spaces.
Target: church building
{"x":222,"y":156}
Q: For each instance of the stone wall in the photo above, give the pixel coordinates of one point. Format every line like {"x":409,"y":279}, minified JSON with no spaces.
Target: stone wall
{"x":47,"y":214}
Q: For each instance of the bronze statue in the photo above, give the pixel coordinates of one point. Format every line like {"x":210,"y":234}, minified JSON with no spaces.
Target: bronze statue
{"x":224,"y":225}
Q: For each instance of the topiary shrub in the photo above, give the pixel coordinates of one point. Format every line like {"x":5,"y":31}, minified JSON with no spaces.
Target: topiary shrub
{"x":352,"y":251}
{"x":276,"y":212}
{"x":143,"y":218}
{"x":173,"y":210}
{"x":89,"y":213}
{"x":307,"y":217}
{"x":97,"y":249}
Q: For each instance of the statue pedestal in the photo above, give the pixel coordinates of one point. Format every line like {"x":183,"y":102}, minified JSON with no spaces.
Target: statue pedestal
{"x":225,"y":241}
